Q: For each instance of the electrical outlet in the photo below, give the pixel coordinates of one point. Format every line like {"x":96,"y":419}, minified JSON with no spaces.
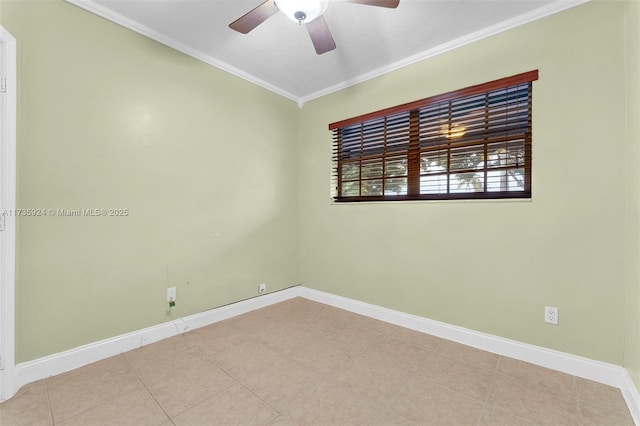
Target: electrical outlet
{"x":262,"y":288}
{"x":171,"y":294}
{"x":551,"y":315}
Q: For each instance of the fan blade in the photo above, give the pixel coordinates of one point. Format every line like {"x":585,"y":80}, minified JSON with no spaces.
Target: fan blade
{"x":380,"y":3}
{"x":257,"y":16}
{"x":320,"y":35}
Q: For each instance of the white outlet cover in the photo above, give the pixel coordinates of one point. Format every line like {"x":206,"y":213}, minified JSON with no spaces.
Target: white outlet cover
{"x":262,"y":288}
{"x":551,"y":315}
{"x":171,"y":294}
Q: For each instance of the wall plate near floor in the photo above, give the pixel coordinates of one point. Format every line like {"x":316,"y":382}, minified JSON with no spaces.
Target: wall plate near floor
{"x":171,"y":294}
{"x":262,"y":288}
{"x":551,"y":315}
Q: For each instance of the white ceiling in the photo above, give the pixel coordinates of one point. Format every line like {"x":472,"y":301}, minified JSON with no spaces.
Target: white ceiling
{"x":279,"y":56}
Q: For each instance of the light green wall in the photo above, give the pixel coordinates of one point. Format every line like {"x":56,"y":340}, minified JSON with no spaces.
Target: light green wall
{"x":111,"y":119}
{"x":632,"y":343}
{"x":492,"y":266}
{"x":108,"y":118}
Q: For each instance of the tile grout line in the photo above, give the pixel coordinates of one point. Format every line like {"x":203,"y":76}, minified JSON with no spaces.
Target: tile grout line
{"x":101,"y":403}
{"x":215,"y":395}
{"x":286,"y":357}
{"x":237,"y":381}
{"x":257,"y":396}
{"x":578,"y":406}
{"x":359,"y":351}
{"x":283,"y":355}
{"x":147,"y":389}
{"x":46,"y":385}
{"x":489,"y":388}
{"x":432,"y":350}
{"x":390,"y":338}
{"x":493,"y":385}
{"x":389,"y":408}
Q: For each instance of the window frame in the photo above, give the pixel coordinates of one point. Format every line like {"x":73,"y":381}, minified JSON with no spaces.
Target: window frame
{"x":414,"y":150}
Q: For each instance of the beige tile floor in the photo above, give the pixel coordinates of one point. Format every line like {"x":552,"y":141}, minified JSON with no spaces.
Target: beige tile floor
{"x":300,"y":362}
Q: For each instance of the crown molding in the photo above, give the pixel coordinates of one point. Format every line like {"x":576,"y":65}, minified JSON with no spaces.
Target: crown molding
{"x":95,"y":8}
{"x":503,"y":26}
{"x":534,"y":15}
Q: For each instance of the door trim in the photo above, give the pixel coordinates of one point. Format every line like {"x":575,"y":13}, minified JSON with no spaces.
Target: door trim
{"x":8,"y":385}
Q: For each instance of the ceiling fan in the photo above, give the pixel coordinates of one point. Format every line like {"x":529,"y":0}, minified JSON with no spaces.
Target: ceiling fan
{"x":308,"y":12}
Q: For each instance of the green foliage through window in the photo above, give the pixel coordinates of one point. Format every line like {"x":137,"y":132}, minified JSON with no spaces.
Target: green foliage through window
{"x":472,"y":143}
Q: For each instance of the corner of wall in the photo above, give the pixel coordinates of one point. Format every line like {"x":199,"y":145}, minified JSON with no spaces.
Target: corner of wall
{"x":632,"y":308}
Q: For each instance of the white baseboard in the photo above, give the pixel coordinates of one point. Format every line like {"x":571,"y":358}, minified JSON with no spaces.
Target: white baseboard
{"x":71,"y":359}
{"x":631,"y":396}
{"x":609,"y":374}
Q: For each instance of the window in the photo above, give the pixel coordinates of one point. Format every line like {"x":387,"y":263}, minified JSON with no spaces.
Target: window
{"x":467,"y":144}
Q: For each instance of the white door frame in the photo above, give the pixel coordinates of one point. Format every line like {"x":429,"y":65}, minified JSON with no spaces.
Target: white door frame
{"x":8,"y":383}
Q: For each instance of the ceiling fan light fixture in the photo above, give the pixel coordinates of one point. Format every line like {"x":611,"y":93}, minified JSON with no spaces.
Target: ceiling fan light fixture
{"x":453,"y":131}
{"x":302,"y":10}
